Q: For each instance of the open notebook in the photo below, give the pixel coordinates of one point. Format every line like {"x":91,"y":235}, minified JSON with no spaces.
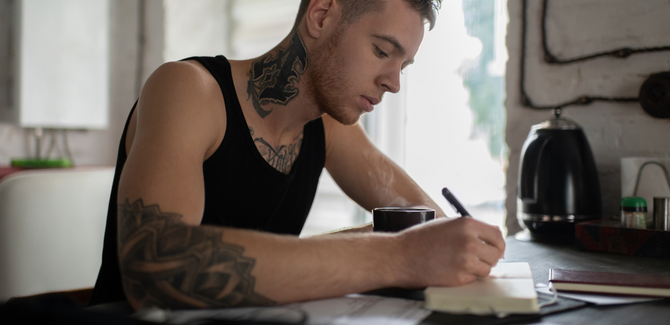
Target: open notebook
{"x":509,"y":289}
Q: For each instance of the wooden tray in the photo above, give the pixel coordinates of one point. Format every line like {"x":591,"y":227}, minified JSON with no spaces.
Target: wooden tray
{"x":611,"y":237}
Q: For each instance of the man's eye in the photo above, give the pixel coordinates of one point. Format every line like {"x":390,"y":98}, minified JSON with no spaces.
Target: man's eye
{"x":381,"y":53}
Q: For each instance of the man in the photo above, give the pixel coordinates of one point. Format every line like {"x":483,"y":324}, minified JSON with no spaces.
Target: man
{"x":220,"y":160}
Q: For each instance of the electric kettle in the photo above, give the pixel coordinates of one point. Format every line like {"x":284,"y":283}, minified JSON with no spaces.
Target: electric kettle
{"x":558,"y":183}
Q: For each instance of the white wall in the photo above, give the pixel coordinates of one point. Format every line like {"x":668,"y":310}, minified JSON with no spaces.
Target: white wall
{"x":62,"y":71}
{"x":196,"y":28}
{"x":98,"y":147}
{"x":614,"y":130}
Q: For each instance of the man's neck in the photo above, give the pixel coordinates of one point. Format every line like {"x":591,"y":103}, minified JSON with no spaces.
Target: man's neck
{"x":275,"y":105}
{"x":274,"y":86}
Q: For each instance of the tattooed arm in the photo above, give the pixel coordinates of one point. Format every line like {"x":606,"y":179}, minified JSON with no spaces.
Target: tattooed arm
{"x":367,"y":175}
{"x":169,"y":264}
{"x":167,"y":259}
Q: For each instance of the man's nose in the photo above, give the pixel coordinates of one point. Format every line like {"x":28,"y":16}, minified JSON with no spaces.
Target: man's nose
{"x":390,"y":81}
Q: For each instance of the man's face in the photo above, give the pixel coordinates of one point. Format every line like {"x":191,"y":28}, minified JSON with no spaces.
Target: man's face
{"x":351,"y":70}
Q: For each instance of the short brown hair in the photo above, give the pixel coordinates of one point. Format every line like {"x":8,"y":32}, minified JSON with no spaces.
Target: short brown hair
{"x":354,"y":9}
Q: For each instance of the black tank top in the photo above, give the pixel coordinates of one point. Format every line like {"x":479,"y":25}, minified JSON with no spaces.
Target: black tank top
{"x":241,"y":189}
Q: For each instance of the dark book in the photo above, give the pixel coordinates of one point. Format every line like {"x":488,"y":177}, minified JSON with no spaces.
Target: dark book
{"x":647,"y":285}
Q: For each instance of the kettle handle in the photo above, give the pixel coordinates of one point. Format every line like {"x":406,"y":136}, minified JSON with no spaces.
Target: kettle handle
{"x":529,"y":168}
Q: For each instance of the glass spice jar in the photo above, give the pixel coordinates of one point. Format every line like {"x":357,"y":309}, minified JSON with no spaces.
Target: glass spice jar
{"x":634,"y":212}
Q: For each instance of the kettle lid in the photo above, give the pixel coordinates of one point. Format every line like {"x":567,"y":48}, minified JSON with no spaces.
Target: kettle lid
{"x":558,"y":123}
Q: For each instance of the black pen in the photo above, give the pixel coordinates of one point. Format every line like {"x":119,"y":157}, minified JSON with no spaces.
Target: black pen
{"x":454,"y":203}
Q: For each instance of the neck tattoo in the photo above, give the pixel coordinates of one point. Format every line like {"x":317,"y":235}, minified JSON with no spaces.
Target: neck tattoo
{"x":274,"y":78}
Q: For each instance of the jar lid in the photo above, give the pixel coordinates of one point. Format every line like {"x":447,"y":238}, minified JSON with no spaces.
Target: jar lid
{"x":633,"y":204}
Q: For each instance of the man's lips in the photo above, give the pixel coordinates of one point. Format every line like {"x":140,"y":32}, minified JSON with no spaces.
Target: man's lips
{"x":369,"y":103}
{"x":372,"y":100}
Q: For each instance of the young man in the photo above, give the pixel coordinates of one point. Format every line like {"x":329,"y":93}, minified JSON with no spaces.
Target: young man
{"x":220,"y":160}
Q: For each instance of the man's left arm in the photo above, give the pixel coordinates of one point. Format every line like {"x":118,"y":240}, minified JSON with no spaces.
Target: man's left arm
{"x":365,"y":174}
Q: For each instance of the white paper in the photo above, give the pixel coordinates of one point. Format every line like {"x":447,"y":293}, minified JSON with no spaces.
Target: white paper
{"x":512,"y":270}
{"x":352,"y":309}
{"x":596,"y":298}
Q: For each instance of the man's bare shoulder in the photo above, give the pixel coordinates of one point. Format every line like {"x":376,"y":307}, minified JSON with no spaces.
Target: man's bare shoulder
{"x":189,"y":76}
{"x":183,"y":96}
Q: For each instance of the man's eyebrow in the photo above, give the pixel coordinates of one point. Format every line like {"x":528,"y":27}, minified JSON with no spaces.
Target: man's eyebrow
{"x":393,"y":41}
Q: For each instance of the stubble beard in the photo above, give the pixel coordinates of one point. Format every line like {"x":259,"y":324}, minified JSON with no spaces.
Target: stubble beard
{"x":326,"y":82}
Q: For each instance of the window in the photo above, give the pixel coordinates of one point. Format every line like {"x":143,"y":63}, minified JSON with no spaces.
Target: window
{"x":455,"y":116}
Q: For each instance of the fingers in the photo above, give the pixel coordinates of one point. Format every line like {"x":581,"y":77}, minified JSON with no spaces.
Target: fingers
{"x":493,"y":247}
{"x":459,"y":250}
{"x":487,"y":248}
{"x":475,"y":267}
{"x":482,"y":269}
{"x":489,"y":255}
{"x":492,"y":236}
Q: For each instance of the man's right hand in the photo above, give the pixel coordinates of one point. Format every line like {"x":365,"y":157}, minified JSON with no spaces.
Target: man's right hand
{"x":449,"y":252}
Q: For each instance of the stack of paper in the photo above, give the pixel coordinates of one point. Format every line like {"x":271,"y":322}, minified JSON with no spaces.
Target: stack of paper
{"x":645,"y":285}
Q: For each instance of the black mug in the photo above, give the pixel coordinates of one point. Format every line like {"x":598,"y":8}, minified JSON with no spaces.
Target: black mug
{"x":393,"y":219}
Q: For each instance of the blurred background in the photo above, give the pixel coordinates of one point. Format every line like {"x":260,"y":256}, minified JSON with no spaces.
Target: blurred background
{"x":445,"y":127}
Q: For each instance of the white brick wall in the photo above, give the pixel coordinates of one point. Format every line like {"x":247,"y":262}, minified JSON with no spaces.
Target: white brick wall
{"x":614,"y":130}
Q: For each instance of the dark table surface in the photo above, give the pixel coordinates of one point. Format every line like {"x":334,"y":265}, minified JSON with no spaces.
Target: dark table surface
{"x":543,"y":256}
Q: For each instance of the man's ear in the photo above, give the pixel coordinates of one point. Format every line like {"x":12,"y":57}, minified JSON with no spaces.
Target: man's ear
{"x":322,"y":15}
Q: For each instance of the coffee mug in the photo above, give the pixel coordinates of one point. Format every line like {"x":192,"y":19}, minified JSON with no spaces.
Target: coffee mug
{"x":393,"y":219}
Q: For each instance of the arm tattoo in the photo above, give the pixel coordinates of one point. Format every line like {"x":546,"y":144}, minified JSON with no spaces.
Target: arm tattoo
{"x":274,"y":78}
{"x":281,"y":158}
{"x":169,"y":264}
